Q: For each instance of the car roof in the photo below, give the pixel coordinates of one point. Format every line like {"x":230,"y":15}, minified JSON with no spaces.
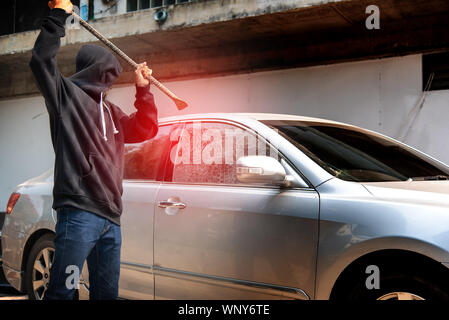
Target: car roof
{"x":246,"y":116}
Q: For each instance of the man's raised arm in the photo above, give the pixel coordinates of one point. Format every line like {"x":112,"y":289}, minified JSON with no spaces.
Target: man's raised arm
{"x":43,"y":59}
{"x":143,"y":124}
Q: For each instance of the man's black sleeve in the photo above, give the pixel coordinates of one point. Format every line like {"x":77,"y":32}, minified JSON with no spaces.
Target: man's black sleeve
{"x":143,"y":124}
{"x":43,"y":59}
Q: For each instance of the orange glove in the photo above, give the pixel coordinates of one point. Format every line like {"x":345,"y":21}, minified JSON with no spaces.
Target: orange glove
{"x":61,"y":4}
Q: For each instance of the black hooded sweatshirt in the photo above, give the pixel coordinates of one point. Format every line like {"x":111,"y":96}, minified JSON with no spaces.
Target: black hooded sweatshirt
{"x":87,"y":132}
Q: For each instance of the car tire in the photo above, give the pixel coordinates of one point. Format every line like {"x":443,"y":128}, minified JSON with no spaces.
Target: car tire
{"x":398,"y":285}
{"x":40,"y":257}
{"x":42,"y":250}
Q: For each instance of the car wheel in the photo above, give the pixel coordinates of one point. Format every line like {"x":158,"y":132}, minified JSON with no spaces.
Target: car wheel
{"x":399,"y":287}
{"x":37,"y":272}
{"x":396,"y":286}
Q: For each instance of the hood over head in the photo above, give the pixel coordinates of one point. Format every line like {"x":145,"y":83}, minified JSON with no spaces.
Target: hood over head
{"x":96,"y":70}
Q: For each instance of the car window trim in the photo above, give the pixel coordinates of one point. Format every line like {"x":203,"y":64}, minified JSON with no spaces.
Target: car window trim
{"x":199,"y":184}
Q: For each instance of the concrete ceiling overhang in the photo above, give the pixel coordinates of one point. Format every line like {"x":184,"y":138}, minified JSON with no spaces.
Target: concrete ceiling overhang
{"x":242,"y":40}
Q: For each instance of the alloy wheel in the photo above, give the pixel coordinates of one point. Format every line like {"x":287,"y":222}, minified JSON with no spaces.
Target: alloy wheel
{"x":400,"y":296}
{"x":41,"y":272}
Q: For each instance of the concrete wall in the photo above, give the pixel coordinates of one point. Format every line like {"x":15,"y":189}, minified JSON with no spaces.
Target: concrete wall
{"x":376,"y":94}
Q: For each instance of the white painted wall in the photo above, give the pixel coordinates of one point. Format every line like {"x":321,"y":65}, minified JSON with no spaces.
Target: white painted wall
{"x":25,"y":143}
{"x":375,"y":94}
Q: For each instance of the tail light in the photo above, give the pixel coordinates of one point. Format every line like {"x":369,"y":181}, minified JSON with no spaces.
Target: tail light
{"x":12,"y":202}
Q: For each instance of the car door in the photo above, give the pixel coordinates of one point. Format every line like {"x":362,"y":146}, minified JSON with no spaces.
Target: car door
{"x":143,"y":171}
{"x":216,"y":238}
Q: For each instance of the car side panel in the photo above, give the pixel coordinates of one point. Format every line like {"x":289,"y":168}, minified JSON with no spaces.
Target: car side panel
{"x":136,"y":277}
{"x":261,"y":236}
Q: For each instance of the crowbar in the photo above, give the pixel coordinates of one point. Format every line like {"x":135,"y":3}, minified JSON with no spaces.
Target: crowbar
{"x":180,"y":104}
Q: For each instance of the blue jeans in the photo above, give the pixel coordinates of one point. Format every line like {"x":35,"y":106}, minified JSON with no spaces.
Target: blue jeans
{"x":82,"y":235}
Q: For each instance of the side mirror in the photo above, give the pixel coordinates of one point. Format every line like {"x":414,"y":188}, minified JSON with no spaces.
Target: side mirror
{"x":260,"y":169}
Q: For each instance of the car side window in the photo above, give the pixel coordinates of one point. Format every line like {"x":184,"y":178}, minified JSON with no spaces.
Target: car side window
{"x":207,"y":152}
{"x":145,"y":160}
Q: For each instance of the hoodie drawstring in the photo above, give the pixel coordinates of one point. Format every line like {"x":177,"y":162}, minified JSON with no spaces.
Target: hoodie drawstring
{"x":103,"y":122}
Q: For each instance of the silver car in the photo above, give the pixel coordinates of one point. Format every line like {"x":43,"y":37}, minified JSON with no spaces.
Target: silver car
{"x":259,"y":206}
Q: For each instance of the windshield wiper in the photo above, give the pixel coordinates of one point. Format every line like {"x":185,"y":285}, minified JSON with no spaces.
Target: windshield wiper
{"x":431,"y":178}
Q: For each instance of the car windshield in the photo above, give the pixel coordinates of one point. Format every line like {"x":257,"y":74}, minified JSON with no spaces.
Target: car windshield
{"x":354,"y":154}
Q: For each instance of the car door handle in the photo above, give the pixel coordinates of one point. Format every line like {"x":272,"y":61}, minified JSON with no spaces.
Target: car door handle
{"x":171,"y":204}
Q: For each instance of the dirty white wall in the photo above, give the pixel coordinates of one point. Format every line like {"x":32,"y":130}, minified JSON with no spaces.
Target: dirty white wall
{"x":376,"y":94}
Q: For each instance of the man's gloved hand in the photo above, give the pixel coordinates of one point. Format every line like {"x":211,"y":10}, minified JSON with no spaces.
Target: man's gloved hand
{"x":142,"y":75}
{"x":61,"y":4}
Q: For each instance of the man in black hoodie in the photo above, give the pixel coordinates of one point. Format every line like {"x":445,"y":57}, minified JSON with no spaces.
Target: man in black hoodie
{"x":88,"y":135}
